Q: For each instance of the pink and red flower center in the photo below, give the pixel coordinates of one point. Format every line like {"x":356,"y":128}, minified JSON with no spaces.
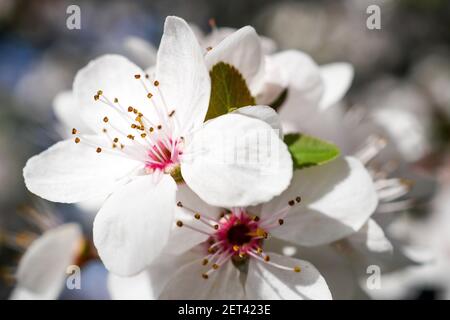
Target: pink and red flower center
{"x":164,"y":156}
{"x":237,"y":235}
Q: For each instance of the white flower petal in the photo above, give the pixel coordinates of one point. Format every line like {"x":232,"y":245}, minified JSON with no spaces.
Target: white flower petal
{"x":243,"y":50}
{"x":270,"y":283}
{"x":70,"y":172}
{"x":187,"y":283}
{"x":151,"y":71}
{"x":140,"y":51}
{"x":337,"y":78}
{"x":268,"y":45}
{"x":114,"y":76}
{"x":264,"y":113}
{"x":133,"y":226}
{"x":148,"y":284}
{"x":337,"y":199}
{"x":401,"y":284}
{"x":213,"y":38}
{"x":182,"y":74}
{"x":296,"y":71}
{"x":335,"y":267}
{"x":415,"y":237}
{"x":136,"y":287}
{"x":91,"y":206}
{"x":273,"y":84}
{"x":20,"y":293}
{"x":406,"y":130}
{"x":235,"y":160}
{"x":68,"y":113}
{"x":183,"y":239}
{"x":191,"y":201}
{"x":370,"y":239}
{"x":42,"y":270}
{"x":218,"y":34}
{"x":299,"y":74}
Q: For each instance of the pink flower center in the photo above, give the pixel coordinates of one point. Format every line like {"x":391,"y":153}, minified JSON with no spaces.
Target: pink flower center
{"x":164,"y":156}
{"x":237,"y":235}
{"x":153,"y":139}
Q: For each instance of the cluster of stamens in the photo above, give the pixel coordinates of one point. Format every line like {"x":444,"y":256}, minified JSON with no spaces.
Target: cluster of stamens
{"x":390,"y":190}
{"x":237,"y":235}
{"x":157,"y":145}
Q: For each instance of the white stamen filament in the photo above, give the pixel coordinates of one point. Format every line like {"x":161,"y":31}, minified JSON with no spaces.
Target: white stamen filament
{"x":370,"y":149}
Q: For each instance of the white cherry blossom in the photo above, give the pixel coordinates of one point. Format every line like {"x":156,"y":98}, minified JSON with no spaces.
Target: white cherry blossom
{"x":220,"y":254}
{"x":41,"y":274}
{"x":148,"y":134}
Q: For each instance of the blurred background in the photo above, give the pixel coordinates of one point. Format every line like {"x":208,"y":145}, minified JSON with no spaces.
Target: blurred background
{"x":404,"y":66}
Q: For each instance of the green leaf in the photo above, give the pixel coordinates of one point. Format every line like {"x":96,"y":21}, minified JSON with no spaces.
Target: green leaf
{"x":307,"y":151}
{"x":229,"y":91}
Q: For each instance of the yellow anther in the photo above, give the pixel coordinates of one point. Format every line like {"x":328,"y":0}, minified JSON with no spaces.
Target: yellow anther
{"x":258,"y":233}
{"x":211,"y":250}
